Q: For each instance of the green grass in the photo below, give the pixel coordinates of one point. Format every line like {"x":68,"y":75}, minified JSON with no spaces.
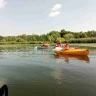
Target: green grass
{"x":84,"y":45}
{"x":53,"y":44}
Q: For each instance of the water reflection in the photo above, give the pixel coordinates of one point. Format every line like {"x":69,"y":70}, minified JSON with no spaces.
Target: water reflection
{"x":29,"y":71}
{"x":68,"y":58}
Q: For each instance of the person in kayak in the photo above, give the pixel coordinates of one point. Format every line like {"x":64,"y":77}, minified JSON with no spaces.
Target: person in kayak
{"x":46,"y":44}
{"x":42,"y":44}
{"x":66,"y":47}
{"x":59,"y":44}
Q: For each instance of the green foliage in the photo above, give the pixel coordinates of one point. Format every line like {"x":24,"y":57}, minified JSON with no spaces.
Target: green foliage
{"x":63,"y":32}
{"x":84,"y":40}
{"x":82,"y":35}
{"x":68,"y":36}
{"x":1,"y":38}
{"x":53,"y":36}
{"x":62,"y":39}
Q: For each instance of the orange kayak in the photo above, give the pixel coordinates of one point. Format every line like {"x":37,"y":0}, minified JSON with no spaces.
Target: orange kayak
{"x":73,"y":51}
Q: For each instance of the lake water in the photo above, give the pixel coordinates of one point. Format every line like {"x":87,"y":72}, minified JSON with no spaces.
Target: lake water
{"x":31,"y":72}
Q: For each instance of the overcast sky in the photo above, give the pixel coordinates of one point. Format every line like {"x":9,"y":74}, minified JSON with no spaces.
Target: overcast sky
{"x":42,"y":16}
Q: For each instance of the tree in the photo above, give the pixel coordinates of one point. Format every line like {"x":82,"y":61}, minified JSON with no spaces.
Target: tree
{"x":82,"y":35}
{"x":49,"y":38}
{"x":43,"y":37}
{"x":54,"y":35}
{"x":67,"y":37}
{"x":1,"y":38}
{"x":63,"y":32}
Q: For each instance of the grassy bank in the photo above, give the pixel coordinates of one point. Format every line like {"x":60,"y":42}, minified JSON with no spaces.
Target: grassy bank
{"x":14,"y":43}
{"x":82,"y":40}
{"x":89,"y":45}
{"x":84,"y":45}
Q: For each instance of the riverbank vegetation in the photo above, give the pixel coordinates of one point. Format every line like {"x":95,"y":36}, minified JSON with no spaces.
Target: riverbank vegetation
{"x":53,"y":36}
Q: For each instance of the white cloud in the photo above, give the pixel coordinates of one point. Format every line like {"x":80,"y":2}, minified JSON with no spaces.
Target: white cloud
{"x":52,"y":14}
{"x":2,"y":3}
{"x":56,"y":7}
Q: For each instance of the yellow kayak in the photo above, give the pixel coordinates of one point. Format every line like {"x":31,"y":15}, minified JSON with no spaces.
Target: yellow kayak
{"x":73,"y":51}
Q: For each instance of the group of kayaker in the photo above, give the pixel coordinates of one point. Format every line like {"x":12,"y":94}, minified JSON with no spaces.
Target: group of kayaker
{"x":59,"y":44}
{"x":59,"y":48}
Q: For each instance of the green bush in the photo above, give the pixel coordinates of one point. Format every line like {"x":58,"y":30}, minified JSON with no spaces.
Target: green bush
{"x":84,"y":40}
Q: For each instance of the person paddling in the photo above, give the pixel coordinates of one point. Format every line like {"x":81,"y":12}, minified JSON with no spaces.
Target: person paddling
{"x":59,"y":44}
{"x":42,"y":44}
{"x":45,"y":44}
{"x":66,"y":47}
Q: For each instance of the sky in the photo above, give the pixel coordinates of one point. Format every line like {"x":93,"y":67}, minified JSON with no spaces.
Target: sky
{"x":42,"y":16}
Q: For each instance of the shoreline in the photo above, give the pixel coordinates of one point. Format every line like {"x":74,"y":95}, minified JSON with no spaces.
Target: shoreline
{"x":91,"y":45}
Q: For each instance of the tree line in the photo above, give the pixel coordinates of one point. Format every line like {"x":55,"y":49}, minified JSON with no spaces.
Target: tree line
{"x":53,"y":36}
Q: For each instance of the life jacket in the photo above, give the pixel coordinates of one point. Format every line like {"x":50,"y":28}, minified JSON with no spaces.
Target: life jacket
{"x":46,"y":44}
{"x":59,"y":44}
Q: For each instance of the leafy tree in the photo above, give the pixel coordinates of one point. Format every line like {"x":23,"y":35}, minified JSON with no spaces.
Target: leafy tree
{"x":63,"y":32}
{"x":68,"y":36}
{"x":1,"y":37}
{"x":49,"y":38}
{"x":54,"y":35}
{"x":43,"y":37}
{"x":83,"y":35}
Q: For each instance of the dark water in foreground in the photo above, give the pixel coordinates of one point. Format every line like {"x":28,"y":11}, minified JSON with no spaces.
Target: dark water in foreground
{"x":31,"y":72}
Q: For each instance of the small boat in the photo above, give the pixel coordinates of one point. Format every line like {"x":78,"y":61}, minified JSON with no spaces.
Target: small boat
{"x":42,"y":47}
{"x":73,"y":51}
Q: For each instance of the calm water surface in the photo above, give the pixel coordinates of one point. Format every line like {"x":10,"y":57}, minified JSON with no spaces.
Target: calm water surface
{"x":31,"y":72}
